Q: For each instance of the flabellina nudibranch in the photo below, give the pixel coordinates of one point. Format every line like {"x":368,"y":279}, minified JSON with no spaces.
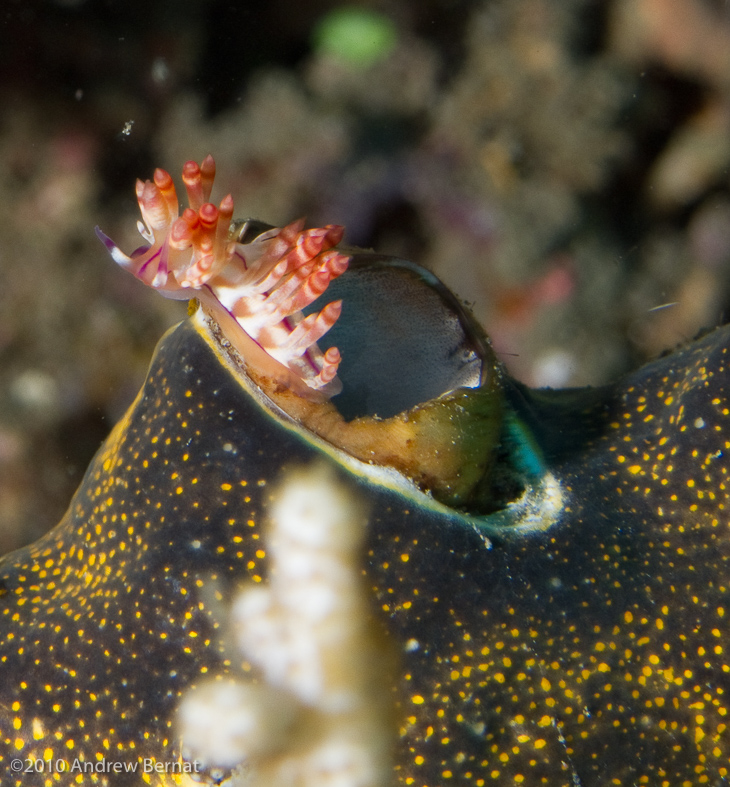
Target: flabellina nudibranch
{"x":427,"y":406}
{"x":255,"y":289}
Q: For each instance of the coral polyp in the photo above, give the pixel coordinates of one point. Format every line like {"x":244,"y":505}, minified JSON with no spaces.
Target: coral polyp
{"x":255,"y":290}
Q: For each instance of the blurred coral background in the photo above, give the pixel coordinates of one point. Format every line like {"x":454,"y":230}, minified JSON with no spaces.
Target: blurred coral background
{"x":561,"y":164}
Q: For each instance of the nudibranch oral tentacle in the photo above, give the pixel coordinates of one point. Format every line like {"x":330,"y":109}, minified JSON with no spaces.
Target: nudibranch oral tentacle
{"x":255,"y":290}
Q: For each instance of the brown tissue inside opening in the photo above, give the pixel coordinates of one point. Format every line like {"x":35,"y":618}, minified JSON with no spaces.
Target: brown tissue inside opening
{"x":444,"y":446}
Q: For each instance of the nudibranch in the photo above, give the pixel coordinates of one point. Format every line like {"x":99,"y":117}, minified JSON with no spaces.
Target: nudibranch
{"x":256,"y":290}
{"x":550,"y":566}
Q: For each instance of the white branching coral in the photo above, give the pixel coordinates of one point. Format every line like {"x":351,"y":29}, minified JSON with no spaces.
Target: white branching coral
{"x":322,"y":714}
{"x":255,"y":290}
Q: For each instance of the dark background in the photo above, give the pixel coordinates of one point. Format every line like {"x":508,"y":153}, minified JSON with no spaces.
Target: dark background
{"x":561,"y":164}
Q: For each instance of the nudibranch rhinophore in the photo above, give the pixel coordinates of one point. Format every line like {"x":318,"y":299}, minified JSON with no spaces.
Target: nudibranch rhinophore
{"x":551,"y":566}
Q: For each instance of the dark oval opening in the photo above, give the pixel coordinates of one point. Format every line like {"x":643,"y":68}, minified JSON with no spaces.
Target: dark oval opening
{"x":404,"y":338}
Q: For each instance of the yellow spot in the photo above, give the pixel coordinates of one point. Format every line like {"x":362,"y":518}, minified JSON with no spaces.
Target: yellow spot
{"x":635,"y":469}
{"x":19,"y":743}
{"x":540,"y":743}
{"x":419,"y":760}
{"x":226,"y":487}
{"x":404,"y":558}
{"x":417,"y":699}
{"x":628,"y":617}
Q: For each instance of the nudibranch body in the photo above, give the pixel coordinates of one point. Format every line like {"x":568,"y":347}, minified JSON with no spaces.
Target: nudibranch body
{"x":561,"y":619}
{"x":259,"y":287}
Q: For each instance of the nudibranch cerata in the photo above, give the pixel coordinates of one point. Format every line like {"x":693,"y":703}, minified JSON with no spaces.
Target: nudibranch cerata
{"x":550,"y":565}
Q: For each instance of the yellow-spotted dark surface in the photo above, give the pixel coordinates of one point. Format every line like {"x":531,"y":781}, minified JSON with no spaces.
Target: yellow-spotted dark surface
{"x":103,"y":622}
{"x":591,"y":653}
{"x":595,"y":653}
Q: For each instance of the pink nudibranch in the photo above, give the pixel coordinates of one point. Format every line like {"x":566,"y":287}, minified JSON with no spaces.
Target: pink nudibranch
{"x":255,"y":291}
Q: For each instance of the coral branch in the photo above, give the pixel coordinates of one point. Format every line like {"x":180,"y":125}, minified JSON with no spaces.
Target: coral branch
{"x":263,"y":285}
{"x":322,"y":713}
